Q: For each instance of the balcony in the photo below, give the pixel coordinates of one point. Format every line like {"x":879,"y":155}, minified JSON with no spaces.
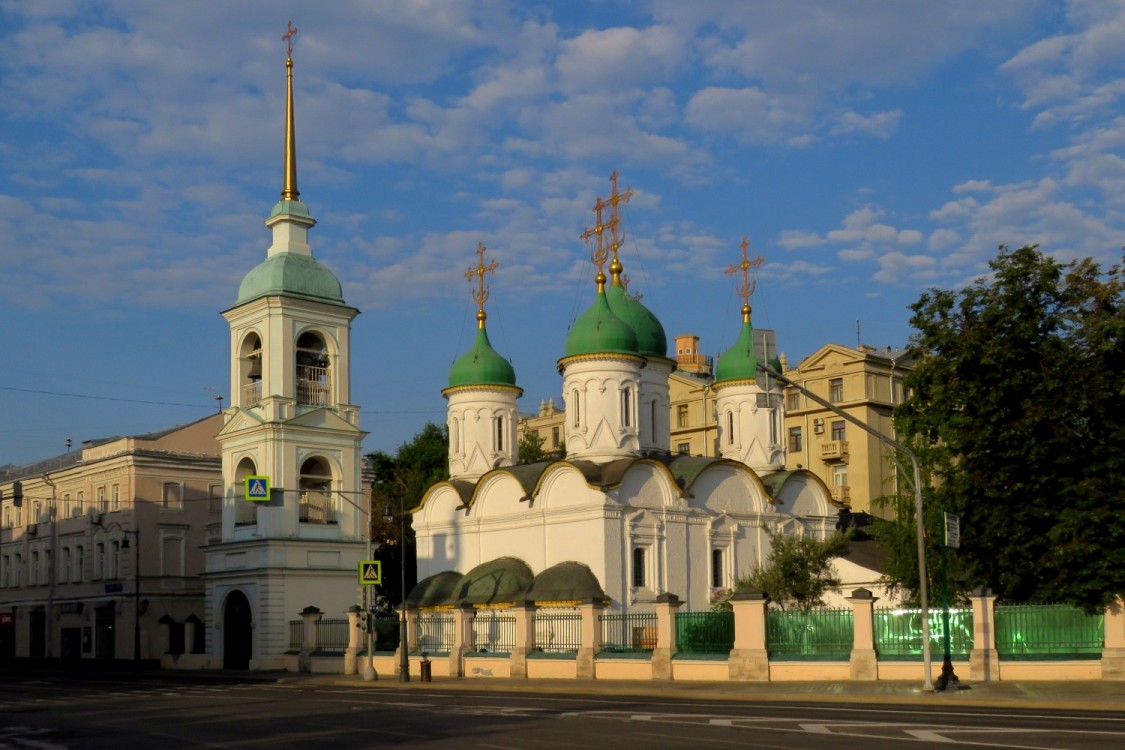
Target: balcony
{"x":837,"y":450}
{"x":251,"y":394}
{"x":317,"y":507}
{"x":841,"y":494}
{"x":312,"y":385}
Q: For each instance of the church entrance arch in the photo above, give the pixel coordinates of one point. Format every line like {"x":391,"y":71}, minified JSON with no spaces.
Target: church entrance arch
{"x":238,"y":644}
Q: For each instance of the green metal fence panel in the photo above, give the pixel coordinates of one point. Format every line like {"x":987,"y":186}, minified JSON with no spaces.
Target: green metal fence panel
{"x":898,"y":634}
{"x":629,"y":633}
{"x":819,"y":634}
{"x":435,"y":633}
{"x":558,"y":630}
{"x":296,"y":634}
{"x":493,"y":633}
{"x":387,"y":630}
{"x":332,"y":635}
{"x":704,"y":632}
{"x":1048,"y":631}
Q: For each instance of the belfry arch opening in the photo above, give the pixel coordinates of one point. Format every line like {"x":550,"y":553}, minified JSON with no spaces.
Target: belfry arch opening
{"x":313,"y":370}
{"x":245,"y":513}
{"x":318,"y":504}
{"x":250,"y":371}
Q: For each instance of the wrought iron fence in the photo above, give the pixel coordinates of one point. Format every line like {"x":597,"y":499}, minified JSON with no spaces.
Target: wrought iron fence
{"x":296,"y":634}
{"x":387,"y":629}
{"x":317,"y":507}
{"x":435,"y":633}
{"x":493,"y":633}
{"x":558,"y":630}
{"x":898,"y":633}
{"x":704,"y":632}
{"x":825,"y":634}
{"x":332,"y":635}
{"x":1050,"y":631}
{"x":632,"y":632}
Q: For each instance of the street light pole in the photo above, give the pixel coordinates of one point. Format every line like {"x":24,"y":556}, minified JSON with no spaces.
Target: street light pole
{"x":136,"y":598}
{"x":404,"y":658}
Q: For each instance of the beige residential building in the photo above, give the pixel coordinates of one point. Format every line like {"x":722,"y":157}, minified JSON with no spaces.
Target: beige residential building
{"x":865,"y":382}
{"x":100,"y":557}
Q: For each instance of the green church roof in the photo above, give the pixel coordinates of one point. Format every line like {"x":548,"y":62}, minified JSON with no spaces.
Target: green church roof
{"x":291,"y":274}
{"x":739,"y":362}
{"x":599,"y":331}
{"x":481,"y":365}
{"x":651,"y":339}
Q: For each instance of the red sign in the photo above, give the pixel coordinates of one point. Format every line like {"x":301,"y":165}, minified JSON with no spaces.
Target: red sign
{"x":7,"y":618}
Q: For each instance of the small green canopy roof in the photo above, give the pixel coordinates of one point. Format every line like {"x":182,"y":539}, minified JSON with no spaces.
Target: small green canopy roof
{"x":651,"y":339}
{"x":599,"y":331}
{"x":481,"y":365}
{"x":433,"y":591}
{"x":565,"y":582}
{"x":504,"y":579}
{"x":738,"y":362}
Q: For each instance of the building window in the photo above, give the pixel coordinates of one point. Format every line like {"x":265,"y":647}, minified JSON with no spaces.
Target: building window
{"x":626,"y":407}
{"x":64,"y":566}
{"x":684,"y":449}
{"x":639,"y":567}
{"x":80,"y":500}
{"x":716,"y":568}
{"x":498,"y":424}
{"x":795,"y":444}
{"x":114,"y":559}
{"x":33,"y":573}
{"x":682,"y":415}
{"x":838,"y":431}
{"x":313,"y":373}
{"x":17,"y":570}
{"x":173,"y":496}
{"x":115,"y":497}
{"x":36,"y":509}
{"x":99,"y":560}
{"x":793,"y":400}
{"x":215,"y":498}
{"x":730,"y":428}
{"x":4,"y":573}
{"x":836,"y":390}
{"x":67,"y":512}
{"x":554,"y":437}
{"x":102,"y":505}
{"x":840,"y":475}
{"x":79,"y":562}
{"x":574,"y":407}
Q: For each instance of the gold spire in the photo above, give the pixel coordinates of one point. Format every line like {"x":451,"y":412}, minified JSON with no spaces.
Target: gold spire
{"x":746,"y":288}
{"x":617,"y":234}
{"x":480,"y":294}
{"x":600,"y":254}
{"x":289,"y":190}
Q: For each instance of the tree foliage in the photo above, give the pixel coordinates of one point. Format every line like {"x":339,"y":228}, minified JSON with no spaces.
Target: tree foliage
{"x":399,"y":483}
{"x":799,"y":570}
{"x":1015,"y":409}
{"x":531,"y":449}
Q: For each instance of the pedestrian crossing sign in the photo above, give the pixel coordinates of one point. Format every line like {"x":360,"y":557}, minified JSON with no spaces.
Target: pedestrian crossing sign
{"x":370,"y":572}
{"x":257,"y":489}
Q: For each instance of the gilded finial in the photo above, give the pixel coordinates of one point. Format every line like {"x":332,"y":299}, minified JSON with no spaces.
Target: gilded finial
{"x":746,"y":288}
{"x":480,"y":294}
{"x":617,"y":233}
{"x":600,"y":253}
{"x":289,"y":190}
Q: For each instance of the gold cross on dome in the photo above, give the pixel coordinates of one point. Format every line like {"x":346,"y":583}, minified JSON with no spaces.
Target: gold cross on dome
{"x":480,"y":294}
{"x":600,"y":254}
{"x":746,"y":288}
{"x":614,"y":223}
{"x":288,"y":37}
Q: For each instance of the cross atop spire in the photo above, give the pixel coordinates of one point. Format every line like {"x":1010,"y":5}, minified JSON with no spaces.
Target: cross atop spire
{"x":480,"y":294}
{"x":746,"y":288}
{"x":617,"y":234}
{"x":600,"y":254}
{"x":288,"y":38}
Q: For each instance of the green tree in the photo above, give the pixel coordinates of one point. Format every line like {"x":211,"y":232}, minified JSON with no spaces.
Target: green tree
{"x":399,"y":483}
{"x":1015,"y":408}
{"x":531,"y":448}
{"x":799,"y":571}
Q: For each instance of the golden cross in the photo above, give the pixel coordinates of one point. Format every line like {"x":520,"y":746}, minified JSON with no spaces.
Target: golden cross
{"x":480,"y":294}
{"x":625,"y":281}
{"x":614,"y":222}
{"x":288,"y":37}
{"x":600,"y":254}
{"x":745,"y":289}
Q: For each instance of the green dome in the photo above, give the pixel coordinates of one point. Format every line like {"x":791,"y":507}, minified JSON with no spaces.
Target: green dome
{"x":738,"y":362}
{"x":291,"y":274}
{"x":502,"y":580}
{"x":481,"y":365}
{"x":565,"y":582}
{"x":651,"y":339}
{"x":599,"y":331}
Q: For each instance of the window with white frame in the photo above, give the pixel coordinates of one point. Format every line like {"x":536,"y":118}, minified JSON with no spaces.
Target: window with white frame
{"x":498,"y":429}
{"x":79,"y":563}
{"x":640,"y":567}
{"x":64,"y":566}
{"x":115,"y":498}
{"x":718,"y":576}
{"x":102,"y":505}
{"x":215,"y":498}
{"x":173,"y":498}
{"x":99,"y":560}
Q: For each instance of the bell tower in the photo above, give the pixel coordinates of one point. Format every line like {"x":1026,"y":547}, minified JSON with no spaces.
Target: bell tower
{"x":291,"y":420}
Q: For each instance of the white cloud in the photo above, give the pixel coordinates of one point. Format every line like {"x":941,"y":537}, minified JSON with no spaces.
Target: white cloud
{"x":749,"y":114}
{"x":879,"y":124}
{"x":796,"y":239}
{"x":615,"y":58}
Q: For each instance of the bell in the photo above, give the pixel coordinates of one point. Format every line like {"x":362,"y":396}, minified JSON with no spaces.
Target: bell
{"x":255,"y":368}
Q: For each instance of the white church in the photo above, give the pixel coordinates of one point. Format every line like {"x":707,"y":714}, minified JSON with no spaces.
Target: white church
{"x":621,"y":518}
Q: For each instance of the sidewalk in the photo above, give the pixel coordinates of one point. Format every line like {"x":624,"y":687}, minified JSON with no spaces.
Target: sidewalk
{"x":1090,"y":695}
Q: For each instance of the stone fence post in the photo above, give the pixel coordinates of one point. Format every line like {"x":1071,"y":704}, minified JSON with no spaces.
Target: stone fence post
{"x":311,"y":619}
{"x":666,"y":606}
{"x":984,"y":661}
{"x":525,"y":637}
{"x":355,"y":640}
{"x":749,"y":659}
{"x":591,"y":637}
{"x":1113,"y":653}
{"x":863,"y":664}
{"x":463,"y":616}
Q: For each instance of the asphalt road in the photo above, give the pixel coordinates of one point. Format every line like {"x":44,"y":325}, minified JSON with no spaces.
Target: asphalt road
{"x":61,"y":712}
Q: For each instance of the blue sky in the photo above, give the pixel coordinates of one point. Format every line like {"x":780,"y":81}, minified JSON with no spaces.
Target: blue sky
{"x":869,"y":150}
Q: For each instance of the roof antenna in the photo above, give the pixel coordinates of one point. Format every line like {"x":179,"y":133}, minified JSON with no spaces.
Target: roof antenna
{"x":858,"y":343}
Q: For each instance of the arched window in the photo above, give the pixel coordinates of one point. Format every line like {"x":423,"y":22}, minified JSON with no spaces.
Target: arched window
{"x":730,"y":428}
{"x":626,"y":406}
{"x":498,"y":430}
{"x":315,"y":488}
{"x":575,"y":408}
{"x":250,"y":371}
{"x":454,"y":436}
{"x":313,"y":383}
{"x":716,"y":568}
{"x":639,"y":567}
{"x":245,"y":512}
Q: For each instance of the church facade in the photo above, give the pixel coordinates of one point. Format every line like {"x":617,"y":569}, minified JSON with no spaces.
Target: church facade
{"x":625,"y":517}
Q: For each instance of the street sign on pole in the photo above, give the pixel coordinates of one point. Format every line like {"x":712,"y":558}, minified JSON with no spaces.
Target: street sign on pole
{"x":952,"y":531}
{"x":370,"y":572}
{"x":257,"y":489}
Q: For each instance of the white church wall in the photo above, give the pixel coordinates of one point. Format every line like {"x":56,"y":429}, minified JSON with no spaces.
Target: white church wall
{"x":728,"y":489}
{"x":647,"y":485}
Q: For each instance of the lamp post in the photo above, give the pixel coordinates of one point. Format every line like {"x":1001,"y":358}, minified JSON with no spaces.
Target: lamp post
{"x":404,"y":657}
{"x":136,"y":533}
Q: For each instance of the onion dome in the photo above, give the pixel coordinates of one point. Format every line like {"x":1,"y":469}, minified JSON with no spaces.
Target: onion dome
{"x":481,"y":365}
{"x":291,"y":274}
{"x":651,"y":339}
{"x":599,"y":331}
{"x":739,"y":362}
